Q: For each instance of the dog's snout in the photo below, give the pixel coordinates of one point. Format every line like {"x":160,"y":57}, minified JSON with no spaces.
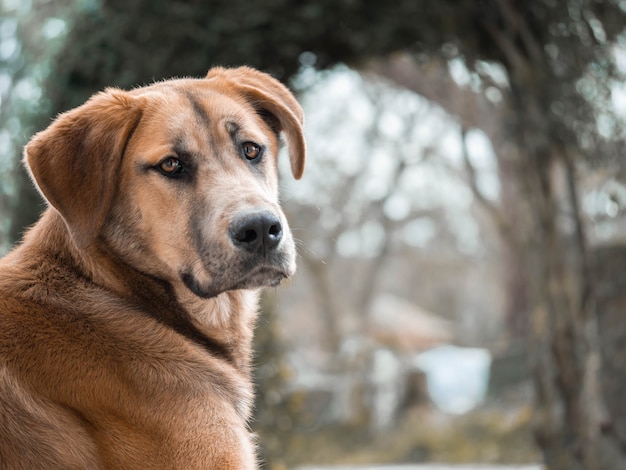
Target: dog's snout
{"x":256,"y":232}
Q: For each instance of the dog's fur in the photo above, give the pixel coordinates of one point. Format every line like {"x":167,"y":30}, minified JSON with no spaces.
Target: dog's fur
{"x":127,"y":312}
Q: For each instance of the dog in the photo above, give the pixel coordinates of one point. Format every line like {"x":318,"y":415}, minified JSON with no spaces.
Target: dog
{"x":127,"y":311}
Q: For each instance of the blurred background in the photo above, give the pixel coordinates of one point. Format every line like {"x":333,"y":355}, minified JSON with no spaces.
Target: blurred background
{"x":461,"y":227}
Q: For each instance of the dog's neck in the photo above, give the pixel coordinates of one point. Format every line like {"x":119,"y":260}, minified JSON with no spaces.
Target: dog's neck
{"x":223,"y":325}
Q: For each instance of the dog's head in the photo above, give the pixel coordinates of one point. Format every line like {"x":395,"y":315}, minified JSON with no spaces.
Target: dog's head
{"x":178,"y":179}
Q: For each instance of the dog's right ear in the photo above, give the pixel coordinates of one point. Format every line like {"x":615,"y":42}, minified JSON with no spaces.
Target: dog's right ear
{"x":268,"y":96}
{"x":75,"y":161}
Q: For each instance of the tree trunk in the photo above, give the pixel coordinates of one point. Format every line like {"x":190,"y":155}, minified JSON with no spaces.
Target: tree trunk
{"x":551,"y":304}
{"x":564,"y":337}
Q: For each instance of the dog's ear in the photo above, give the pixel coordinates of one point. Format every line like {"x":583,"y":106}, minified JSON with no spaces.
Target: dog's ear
{"x":273,"y":101}
{"x":75,"y":161}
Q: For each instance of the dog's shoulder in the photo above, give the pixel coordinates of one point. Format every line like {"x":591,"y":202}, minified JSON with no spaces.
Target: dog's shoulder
{"x":51,"y":312}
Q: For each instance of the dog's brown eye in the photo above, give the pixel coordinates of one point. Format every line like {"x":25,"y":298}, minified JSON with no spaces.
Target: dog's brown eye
{"x":171,"y":166}
{"x":251,"y":150}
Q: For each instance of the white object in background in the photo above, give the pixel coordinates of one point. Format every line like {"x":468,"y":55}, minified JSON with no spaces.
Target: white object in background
{"x":457,"y":377}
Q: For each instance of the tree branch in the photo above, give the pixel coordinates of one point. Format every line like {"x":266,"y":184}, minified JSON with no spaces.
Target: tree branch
{"x":492,"y":209}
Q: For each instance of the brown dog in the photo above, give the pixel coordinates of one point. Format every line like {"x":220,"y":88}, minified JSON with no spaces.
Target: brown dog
{"x":126,"y":314}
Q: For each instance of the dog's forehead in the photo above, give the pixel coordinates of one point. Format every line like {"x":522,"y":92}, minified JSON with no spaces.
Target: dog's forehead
{"x":185,"y":103}
{"x":191,"y":117}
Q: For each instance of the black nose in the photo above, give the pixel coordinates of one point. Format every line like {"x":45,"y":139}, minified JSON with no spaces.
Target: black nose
{"x":256,"y":232}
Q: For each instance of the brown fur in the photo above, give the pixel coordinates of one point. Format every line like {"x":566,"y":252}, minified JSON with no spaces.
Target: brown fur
{"x":127,"y":312}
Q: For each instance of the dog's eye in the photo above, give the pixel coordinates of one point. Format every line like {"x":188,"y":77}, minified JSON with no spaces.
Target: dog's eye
{"x":251,"y":151}
{"x":171,"y":166}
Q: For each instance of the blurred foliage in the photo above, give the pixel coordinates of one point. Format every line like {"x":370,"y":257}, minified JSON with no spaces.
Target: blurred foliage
{"x":495,"y":435}
{"x":274,"y":417}
{"x":30,"y":39}
{"x":484,"y":435}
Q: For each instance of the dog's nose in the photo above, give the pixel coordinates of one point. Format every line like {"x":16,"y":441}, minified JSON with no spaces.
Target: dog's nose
{"x":256,"y":232}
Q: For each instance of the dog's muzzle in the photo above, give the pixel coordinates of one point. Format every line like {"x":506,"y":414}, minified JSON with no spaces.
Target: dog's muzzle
{"x":257,"y":232}
{"x":262,"y":256}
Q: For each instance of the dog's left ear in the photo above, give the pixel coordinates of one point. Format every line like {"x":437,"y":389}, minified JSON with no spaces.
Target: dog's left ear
{"x":74,"y":162}
{"x":268,"y":96}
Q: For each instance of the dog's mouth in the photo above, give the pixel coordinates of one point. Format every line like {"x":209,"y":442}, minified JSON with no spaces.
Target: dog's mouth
{"x":261,"y":276}
{"x":258,"y":252}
